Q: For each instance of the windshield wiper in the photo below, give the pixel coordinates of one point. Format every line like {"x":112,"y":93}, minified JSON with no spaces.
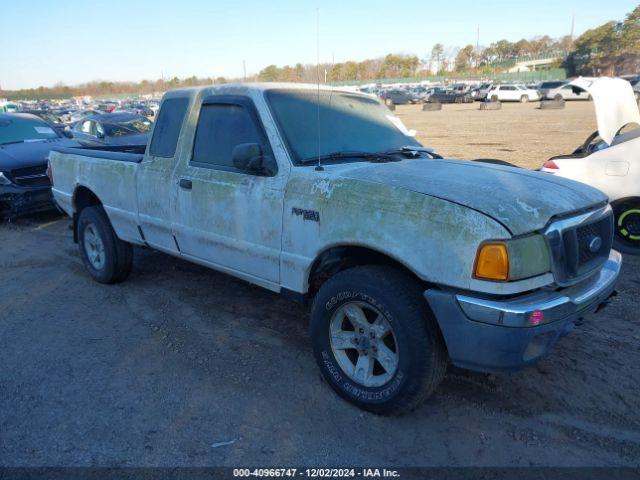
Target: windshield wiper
{"x":370,"y":156}
{"x":414,"y":152}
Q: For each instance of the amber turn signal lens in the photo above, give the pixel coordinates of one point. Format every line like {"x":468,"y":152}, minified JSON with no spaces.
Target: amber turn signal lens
{"x":492,"y":262}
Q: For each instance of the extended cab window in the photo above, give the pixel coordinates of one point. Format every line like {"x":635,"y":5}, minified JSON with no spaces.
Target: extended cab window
{"x":221,"y":127}
{"x":167,"y":128}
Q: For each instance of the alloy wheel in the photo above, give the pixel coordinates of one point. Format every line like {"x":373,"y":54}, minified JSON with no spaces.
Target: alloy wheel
{"x":364,"y":344}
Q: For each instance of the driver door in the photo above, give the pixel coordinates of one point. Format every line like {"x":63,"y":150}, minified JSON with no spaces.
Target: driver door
{"x":226,"y":217}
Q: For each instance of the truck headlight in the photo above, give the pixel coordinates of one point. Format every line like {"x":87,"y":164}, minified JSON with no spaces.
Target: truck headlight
{"x":508,"y":260}
{"x":4,"y":180}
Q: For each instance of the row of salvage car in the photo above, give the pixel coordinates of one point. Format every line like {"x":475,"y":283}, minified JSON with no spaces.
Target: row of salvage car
{"x":504,"y":92}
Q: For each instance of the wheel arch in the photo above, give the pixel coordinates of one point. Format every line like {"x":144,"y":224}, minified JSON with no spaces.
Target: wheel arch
{"x":339,"y":257}
{"x":83,"y":197}
{"x":620,"y":200}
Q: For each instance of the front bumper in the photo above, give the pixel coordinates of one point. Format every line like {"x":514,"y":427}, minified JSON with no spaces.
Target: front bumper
{"x":497,"y":335}
{"x":16,"y":200}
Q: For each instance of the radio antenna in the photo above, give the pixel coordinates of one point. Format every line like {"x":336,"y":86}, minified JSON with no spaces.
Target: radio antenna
{"x":319,"y":166}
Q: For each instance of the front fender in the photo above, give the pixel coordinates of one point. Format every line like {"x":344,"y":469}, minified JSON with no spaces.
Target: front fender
{"x":434,"y":238}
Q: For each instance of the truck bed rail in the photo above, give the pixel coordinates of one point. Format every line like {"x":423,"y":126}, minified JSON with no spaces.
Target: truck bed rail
{"x":126,"y":153}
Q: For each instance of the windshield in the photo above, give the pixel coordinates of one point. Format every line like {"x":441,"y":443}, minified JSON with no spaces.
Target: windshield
{"x":16,"y":129}
{"x":133,"y":126}
{"x":348,"y":122}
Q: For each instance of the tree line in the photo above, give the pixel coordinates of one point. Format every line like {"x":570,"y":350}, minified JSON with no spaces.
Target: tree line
{"x":610,"y":49}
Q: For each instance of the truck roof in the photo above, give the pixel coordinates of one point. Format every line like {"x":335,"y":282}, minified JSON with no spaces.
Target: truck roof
{"x":245,"y":88}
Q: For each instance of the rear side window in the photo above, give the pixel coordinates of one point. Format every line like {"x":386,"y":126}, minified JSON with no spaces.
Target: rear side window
{"x":168,"y":125}
{"x":87,"y":127}
{"x":221,"y":127}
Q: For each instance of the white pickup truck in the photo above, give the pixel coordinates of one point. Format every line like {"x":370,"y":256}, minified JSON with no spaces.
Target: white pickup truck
{"x":408,"y":261}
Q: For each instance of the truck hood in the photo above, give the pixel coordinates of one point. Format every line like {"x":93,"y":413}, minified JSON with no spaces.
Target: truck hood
{"x":521,"y":200}
{"x":614,"y":101}
{"x":30,"y":154}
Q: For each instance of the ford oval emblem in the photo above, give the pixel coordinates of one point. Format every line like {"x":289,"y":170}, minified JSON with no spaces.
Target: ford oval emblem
{"x":595,"y":244}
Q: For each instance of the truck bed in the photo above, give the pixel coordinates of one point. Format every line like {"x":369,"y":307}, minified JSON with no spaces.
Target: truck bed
{"x":109,"y":174}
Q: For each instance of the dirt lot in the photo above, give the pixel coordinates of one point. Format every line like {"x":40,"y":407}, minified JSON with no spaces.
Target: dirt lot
{"x":160,"y":369}
{"x":520,"y":134}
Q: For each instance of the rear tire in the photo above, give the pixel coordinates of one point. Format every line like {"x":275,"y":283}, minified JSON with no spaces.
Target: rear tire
{"x":557,"y":98}
{"x":376,"y":341}
{"x":524,"y":99}
{"x":107,"y":258}
{"x":627,"y":226}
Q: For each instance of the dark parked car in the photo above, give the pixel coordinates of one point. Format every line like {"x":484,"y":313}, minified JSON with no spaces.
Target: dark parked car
{"x":25,"y":142}
{"x":82,"y":114}
{"x":121,"y":128}
{"x":140,"y":109}
{"x":545,"y":87}
{"x":400,"y":97}
{"x":52,"y":119}
{"x":450,"y":96}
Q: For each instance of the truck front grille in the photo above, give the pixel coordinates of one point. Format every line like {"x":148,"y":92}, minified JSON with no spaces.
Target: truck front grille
{"x":580,"y":245}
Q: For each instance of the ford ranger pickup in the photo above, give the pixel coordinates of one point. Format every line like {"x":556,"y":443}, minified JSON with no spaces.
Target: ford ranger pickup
{"x":408,"y":261}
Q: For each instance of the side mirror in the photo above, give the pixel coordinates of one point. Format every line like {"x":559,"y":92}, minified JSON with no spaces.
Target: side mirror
{"x":100,"y":135}
{"x":249,"y":157}
{"x":67,"y":133}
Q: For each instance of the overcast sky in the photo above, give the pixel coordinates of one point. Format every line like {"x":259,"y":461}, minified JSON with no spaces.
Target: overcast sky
{"x":43,"y":42}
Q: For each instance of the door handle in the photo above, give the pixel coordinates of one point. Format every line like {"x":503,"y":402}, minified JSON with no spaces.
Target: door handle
{"x":186,"y":184}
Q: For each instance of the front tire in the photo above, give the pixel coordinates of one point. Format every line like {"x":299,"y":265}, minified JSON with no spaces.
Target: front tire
{"x":376,"y":341}
{"x":107,"y":258}
{"x":627,"y":226}
{"x":524,"y":99}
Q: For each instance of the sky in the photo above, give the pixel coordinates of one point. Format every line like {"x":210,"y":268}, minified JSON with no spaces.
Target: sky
{"x":43,"y":42}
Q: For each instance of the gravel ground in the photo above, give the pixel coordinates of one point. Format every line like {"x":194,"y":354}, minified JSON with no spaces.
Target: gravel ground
{"x":161,"y":369}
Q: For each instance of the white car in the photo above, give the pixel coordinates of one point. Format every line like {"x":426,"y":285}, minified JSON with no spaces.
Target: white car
{"x":567,"y":92}
{"x":512,"y":93}
{"x":610,"y":160}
